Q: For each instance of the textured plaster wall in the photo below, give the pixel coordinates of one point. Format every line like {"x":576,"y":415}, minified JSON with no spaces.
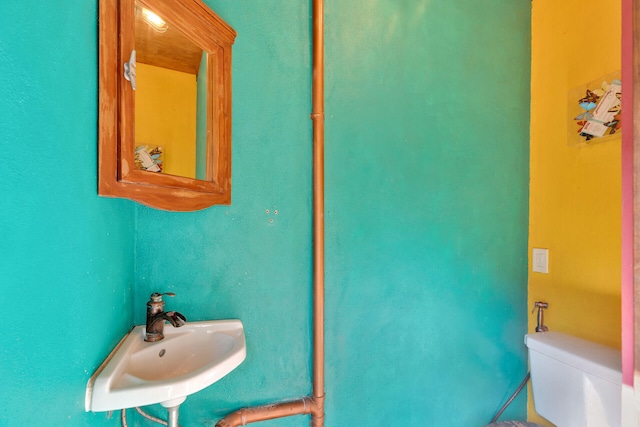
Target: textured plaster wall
{"x":66,"y":255}
{"x":427,"y":188}
{"x":575,"y":189}
{"x":427,"y":174}
{"x":250,"y":260}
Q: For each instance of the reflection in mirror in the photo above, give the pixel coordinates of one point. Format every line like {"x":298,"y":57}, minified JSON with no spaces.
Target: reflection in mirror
{"x":170,"y":98}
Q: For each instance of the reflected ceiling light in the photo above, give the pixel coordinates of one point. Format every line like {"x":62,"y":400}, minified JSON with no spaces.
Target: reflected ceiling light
{"x":154,"y":21}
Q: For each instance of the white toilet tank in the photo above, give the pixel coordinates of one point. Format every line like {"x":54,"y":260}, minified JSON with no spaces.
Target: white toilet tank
{"x":576,"y":383}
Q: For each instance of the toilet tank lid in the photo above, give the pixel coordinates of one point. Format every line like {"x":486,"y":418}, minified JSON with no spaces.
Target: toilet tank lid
{"x":596,"y":359}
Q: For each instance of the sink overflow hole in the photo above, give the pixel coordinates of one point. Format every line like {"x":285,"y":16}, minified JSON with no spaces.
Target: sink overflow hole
{"x":162,"y":352}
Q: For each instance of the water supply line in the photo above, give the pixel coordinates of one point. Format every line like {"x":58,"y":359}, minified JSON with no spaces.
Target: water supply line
{"x":513,"y":396}
{"x":172,"y":421}
{"x":313,"y":404}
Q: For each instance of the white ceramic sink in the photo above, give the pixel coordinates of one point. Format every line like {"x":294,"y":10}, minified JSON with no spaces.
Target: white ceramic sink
{"x":188,"y":359}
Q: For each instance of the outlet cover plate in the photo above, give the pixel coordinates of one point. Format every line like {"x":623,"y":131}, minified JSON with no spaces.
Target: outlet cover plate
{"x":540,"y":260}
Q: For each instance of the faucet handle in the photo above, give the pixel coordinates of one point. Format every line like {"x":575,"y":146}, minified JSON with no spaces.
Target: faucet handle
{"x":157,"y":296}
{"x":538,"y":305}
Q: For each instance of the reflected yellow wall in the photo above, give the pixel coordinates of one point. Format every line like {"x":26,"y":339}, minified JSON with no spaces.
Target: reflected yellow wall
{"x":166,"y":116}
{"x":575,"y":191}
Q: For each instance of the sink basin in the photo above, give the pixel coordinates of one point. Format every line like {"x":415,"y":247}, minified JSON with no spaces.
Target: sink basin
{"x":188,"y":359}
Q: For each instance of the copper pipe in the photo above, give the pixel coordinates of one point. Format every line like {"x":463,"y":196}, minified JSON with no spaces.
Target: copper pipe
{"x":267,"y":412}
{"x":313,"y":405}
{"x":318,"y":211}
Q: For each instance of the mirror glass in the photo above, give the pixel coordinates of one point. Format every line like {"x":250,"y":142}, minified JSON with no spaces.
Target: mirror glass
{"x":170,"y":98}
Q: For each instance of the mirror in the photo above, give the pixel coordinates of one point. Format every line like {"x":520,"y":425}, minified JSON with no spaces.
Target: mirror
{"x":170,"y":98}
{"x":165,"y":103}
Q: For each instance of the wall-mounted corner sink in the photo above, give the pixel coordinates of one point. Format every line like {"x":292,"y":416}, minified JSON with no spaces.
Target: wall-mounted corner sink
{"x":188,"y":359}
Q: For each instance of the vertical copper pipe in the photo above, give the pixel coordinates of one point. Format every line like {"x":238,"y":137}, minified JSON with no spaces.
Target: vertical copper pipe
{"x":313,"y":405}
{"x":317,"y":116}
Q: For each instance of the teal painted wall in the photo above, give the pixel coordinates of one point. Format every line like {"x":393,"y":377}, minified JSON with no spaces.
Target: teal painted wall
{"x":201,"y":120}
{"x":427,"y":173}
{"x":427,"y":189}
{"x":66,"y":255}
{"x":427,"y":198}
{"x":239,"y":261}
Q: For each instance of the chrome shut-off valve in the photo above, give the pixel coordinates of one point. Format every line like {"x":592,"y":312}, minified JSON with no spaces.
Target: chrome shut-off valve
{"x":541,"y":306}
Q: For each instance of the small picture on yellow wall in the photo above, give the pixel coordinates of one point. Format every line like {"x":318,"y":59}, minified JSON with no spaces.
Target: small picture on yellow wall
{"x":149,"y":158}
{"x":595,"y":110}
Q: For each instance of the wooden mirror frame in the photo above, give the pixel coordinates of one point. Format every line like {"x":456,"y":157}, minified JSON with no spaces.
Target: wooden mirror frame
{"x":117,"y":175}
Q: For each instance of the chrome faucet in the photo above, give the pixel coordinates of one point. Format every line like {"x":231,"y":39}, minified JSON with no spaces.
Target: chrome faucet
{"x":540,"y":305}
{"x":156,"y":317}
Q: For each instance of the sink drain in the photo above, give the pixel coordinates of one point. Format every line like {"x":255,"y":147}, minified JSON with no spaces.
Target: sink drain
{"x":162,"y":352}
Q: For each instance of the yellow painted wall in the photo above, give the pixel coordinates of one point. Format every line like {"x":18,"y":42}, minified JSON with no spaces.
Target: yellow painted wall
{"x":166,"y":116}
{"x":575,"y":191}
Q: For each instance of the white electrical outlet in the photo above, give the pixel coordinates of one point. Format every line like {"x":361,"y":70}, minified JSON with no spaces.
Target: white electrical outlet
{"x":540,"y":260}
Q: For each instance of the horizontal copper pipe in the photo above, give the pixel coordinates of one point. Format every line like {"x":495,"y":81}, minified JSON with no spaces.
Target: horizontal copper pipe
{"x":246,"y":416}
